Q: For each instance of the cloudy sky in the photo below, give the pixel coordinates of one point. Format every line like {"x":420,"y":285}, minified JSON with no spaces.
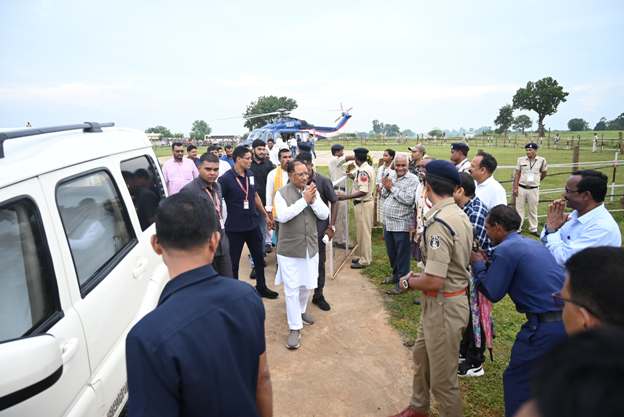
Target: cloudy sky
{"x":419,"y":64}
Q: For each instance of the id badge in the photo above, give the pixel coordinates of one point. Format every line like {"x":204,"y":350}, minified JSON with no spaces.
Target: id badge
{"x":246,"y":205}
{"x":222,"y":223}
{"x":251,"y":181}
{"x":530,"y":177}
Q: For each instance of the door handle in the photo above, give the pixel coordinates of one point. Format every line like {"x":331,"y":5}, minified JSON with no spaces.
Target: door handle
{"x":69,"y":349}
{"x":139,"y":269}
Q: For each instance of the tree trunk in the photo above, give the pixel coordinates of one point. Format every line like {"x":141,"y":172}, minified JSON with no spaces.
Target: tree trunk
{"x":540,"y":126}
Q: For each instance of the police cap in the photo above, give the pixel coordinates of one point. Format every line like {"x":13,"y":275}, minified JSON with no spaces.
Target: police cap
{"x":531,"y":145}
{"x":443,"y":170}
{"x":336,"y":147}
{"x":360,"y":151}
{"x":460,"y":146}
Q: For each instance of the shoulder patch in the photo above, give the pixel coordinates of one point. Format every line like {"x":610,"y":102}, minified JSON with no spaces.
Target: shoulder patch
{"x":434,"y":242}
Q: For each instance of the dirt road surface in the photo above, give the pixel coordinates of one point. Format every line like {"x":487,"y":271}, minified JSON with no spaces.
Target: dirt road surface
{"x":351,"y":362}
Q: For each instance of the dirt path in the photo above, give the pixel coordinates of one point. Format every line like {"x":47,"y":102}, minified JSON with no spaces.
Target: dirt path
{"x":351,"y":362}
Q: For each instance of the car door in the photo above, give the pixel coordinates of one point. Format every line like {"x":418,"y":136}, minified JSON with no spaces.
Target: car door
{"x":98,"y":237}
{"x":35,"y":306}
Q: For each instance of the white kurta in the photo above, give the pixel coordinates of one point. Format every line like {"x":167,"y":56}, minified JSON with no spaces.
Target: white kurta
{"x":298,"y":272}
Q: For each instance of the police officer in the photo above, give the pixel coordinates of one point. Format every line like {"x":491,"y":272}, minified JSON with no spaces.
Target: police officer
{"x":525,"y":269}
{"x":459,"y":156}
{"x":530,"y":170}
{"x":362,"y":195}
{"x":446,"y":245}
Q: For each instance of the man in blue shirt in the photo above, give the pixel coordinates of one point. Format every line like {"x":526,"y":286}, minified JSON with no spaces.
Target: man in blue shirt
{"x":524,"y":269}
{"x":590,"y":224}
{"x":201,"y":351}
{"x":238,"y":187}
{"x":229,"y":150}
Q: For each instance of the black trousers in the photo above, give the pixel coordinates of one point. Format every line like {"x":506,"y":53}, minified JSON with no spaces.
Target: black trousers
{"x":474,"y":356}
{"x":222,"y":262}
{"x":321,"y":267}
{"x":255,"y":242}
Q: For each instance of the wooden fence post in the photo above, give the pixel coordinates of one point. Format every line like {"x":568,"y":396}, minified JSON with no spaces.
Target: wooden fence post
{"x":575,"y":157}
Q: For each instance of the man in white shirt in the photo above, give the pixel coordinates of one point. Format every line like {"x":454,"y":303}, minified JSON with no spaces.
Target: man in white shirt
{"x":276,"y":179}
{"x":589,"y":225}
{"x":490,"y":192}
{"x":459,"y":156}
{"x":298,"y":207}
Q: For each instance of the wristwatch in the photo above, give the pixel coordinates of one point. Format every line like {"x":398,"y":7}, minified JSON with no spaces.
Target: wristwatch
{"x":404,"y":283}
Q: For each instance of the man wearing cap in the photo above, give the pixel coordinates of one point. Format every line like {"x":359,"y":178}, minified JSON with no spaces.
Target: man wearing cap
{"x":364,"y":206}
{"x":446,"y":245}
{"x":459,"y":156}
{"x":336,"y":172}
{"x":418,"y":153}
{"x":530,"y":170}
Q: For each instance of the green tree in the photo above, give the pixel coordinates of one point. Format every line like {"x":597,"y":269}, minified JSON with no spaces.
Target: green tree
{"x":266,"y":104}
{"x":602,"y":124}
{"x":436,"y":132}
{"x":408,"y":133}
{"x":378,"y":127}
{"x":617,"y":123}
{"x":577,"y":125}
{"x":542,"y":97}
{"x":164,"y":132}
{"x":391,"y":130}
{"x":200,"y":129}
{"x":522,"y":123}
{"x":504,"y":119}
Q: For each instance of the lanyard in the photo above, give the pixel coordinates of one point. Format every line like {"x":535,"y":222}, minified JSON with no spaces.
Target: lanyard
{"x":246,"y":188}
{"x":217,"y":205}
{"x":531,"y":165}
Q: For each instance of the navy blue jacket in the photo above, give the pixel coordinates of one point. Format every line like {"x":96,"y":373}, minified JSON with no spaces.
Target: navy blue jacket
{"x":197,"y":353}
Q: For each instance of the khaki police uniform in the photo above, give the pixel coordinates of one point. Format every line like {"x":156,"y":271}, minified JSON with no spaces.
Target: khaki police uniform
{"x":336,"y":172}
{"x":446,"y":245}
{"x":364,"y":208}
{"x":528,"y":188}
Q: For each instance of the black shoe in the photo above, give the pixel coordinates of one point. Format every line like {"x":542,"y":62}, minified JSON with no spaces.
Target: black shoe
{"x":466,"y":369}
{"x":357,"y":265}
{"x":321,"y":303}
{"x":252,"y":274}
{"x":355,"y":260}
{"x":265,"y":292}
{"x":390,"y":280}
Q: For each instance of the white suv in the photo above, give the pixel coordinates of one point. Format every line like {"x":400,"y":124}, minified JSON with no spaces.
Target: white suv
{"x":76,"y":266}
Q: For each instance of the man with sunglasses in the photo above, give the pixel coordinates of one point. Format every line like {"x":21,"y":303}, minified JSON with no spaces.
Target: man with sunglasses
{"x":524,"y":269}
{"x":590,"y":224}
{"x":591,"y":294}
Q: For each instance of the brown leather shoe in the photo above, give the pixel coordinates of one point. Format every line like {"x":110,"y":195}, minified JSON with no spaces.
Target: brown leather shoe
{"x":410,"y":412}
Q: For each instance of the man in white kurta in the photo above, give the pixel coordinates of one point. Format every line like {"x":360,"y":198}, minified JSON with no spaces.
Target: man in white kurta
{"x":297,"y":207}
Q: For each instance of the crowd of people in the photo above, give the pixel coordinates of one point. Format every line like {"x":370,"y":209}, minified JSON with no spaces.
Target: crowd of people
{"x":451,"y":216}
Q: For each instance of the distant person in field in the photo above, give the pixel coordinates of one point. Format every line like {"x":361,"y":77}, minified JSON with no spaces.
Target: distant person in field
{"x":530,"y":171}
{"x":490,"y":192}
{"x":590,"y":224}
{"x":178,"y":171}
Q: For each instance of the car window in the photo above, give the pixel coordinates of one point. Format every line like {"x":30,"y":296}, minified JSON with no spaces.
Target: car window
{"x":96,"y":224}
{"x":28,"y":292}
{"x":145,"y":187}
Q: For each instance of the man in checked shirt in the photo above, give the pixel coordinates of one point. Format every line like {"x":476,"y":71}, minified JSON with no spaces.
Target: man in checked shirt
{"x":472,"y":356}
{"x":399,"y":196}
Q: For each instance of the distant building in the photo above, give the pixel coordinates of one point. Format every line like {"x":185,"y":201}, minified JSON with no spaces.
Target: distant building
{"x":222,"y":138}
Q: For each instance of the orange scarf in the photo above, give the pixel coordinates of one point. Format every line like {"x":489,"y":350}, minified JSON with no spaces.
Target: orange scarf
{"x":277,"y":184}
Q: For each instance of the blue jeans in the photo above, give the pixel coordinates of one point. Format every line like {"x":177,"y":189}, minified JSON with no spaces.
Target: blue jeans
{"x":399,"y":252}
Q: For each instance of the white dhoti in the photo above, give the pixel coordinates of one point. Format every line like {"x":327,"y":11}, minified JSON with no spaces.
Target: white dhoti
{"x":300,"y":278}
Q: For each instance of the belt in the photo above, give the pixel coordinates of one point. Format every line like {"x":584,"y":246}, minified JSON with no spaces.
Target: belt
{"x":548,"y":317}
{"x":340,"y":188}
{"x":356,"y":202}
{"x":527,"y":187}
{"x":451,"y":294}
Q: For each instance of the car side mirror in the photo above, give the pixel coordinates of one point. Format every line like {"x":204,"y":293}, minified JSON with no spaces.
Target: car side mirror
{"x":28,"y":366}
